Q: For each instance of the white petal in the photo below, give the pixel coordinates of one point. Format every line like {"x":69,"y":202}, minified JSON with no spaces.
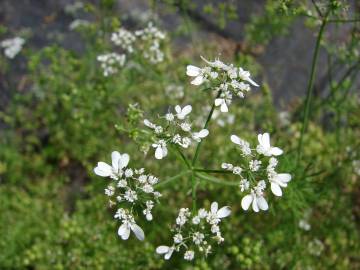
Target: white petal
{"x":252,"y":82}
{"x":223,"y":212}
{"x":159,"y":153}
{"x":178,"y":109}
{"x":262,"y":203}
{"x":246,"y":201}
{"x":203,"y":133}
{"x":214,"y":207}
{"x":284,"y":177}
{"x":255,"y":206}
{"x":276,"y":189}
{"x":186,"y":110}
{"x":265,"y":140}
{"x":198,"y":80}
{"x":139,"y":233}
{"x":124,"y":232}
{"x":276,"y":151}
{"x":192,"y":71}
{"x":124,"y":161}
{"x":103,"y":169}
{"x":168,"y":255}
{"x":115,"y":157}
{"x":164,"y":151}
{"x":224,"y":107}
{"x":162,"y":249}
{"x":148,"y":123}
{"x":218,"y":101}
{"x":235,"y":139}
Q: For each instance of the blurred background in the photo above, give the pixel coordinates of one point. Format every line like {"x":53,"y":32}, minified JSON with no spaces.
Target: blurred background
{"x":59,"y":115}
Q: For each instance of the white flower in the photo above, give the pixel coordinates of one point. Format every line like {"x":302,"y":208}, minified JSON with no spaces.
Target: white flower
{"x":304,"y":224}
{"x":189,"y":255}
{"x":278,"y":181}
{"x":111,"y":62}
{"x":196,"y":72}
{"x":109,"y":191}
{"x":197,"y":136}
{"x":168,"y":251}
{"x":257,"y":200}
{"x":216,"y":64}
{"x":244,"y":185}
{"x":237,"y":170}
{"x":244,"y":145}
{"x":181,"y":113}
{"x":130,"y":195}
{"x":222,"y":103}
{"x":178,"y":238}
{"x":265,"y":148}
{"x":161,"y":150}
{"x":254,"y":165}
{"x":119,"y":162}
{"x":198,"y":238}
{"x":185,"y":126}
{"x":245,"y":75}
{"x":216,"y":214}
{"x":196,"y":220}
{"x":169,"y":117}
{"x":124,"y":230}
{"x":12,"y":46}
{"x":124,"y":39}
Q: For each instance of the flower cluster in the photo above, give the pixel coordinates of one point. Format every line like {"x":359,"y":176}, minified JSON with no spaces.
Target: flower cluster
{"x":111,"y":62}
{"x":196,"y":233}
{"x":146,"y":41}
{"x":130,"y":188}
{"x":150,"y":39}
{"x":12,"y":46}
{"x":258,"y":164}
{"x":226,"y":80}
{"x":176,"y":129}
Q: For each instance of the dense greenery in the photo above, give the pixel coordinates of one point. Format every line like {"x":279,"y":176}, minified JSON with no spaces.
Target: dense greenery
{"x":53,"y":211}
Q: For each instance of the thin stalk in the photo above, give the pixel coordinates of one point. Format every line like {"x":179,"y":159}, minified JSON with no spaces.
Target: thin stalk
{"x":310,"y":88}
{"x":211,"y":171}
{"x":216,"y":180}
{"x":197,"y":151}
{"x":182,"y":156}
{"x":193,"y":191}
{"x":163,"y":183}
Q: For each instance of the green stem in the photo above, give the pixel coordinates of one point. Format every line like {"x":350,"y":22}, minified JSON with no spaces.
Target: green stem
{"x":216,"y":180}
{"x":193,"y":192}
{"x":310,"y":88}
{"x":162,"y":183}
{"x":211,"y":171}
{"x":197,"y":151}
{"x":182,"y":156}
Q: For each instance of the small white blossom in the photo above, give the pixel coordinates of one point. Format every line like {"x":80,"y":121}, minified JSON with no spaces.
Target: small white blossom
{"x":161,"y":149}
{"x":12,"y":46}
{"x":244,"y":145}
{"x":178,"y":238}
{"x":181,"y":113}
{"x":119,"y":162}
{"x":265,"y":148}
{"x":168,"y":251}
{"x":124,"y":230}
{"x":244,"y":185}
{"x":279,"y":181}
{"x":254,"y":165}
{"x":124,"y":38}
{"x":189,"y":255}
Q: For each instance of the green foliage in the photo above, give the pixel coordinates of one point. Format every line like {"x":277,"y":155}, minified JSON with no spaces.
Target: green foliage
{"x":53,"y":214}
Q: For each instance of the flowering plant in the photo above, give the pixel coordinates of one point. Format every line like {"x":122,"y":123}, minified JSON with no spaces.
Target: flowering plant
{"x":195,"y":230}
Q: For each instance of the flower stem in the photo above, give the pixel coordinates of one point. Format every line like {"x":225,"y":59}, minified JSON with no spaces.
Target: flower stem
{"x":193,"y":191}
{"x":310,"y":88}
{"x":216,"y":180}
{"x":197,"y":151}
{"x":211,"y":171}
{"x":172,"y":178}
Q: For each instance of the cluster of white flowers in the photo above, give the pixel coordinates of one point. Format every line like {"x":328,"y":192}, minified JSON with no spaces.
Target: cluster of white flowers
{"x":12,"y":46}
{"x":196,"y":233}
{"x":131,"y":188}
{"x":146,"y":41}
{"x":258,"y":164}
{"x":226,"y":80}
{"x":111,"y":62}
{"x":124,"y":39}
{"x":151,"y":38}
{"x":177,"y":129}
